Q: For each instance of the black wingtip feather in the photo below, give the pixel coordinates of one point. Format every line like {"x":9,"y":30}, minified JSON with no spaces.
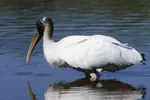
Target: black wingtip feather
{"x":143,"y":56}
{"x":143,"y":59}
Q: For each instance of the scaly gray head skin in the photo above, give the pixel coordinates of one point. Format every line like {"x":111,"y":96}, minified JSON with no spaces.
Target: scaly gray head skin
{"x":48,"y":26}
{"x":39,"y":31}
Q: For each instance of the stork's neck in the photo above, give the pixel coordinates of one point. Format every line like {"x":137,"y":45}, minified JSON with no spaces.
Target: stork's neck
{"x":48,"y":32}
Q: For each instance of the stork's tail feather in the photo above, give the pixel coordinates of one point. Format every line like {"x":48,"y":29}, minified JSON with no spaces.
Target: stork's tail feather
{"x":143,"y":59}
{"x":143,"y":56}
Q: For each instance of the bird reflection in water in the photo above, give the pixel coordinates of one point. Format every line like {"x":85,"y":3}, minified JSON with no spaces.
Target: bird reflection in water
{"x":84,"y":89}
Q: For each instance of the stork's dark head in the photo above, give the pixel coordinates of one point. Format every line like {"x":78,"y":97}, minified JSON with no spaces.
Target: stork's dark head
{"x":48,"y":25}
{"x":41,"y":25}
{"x":39,"y":28}
{"x":47,"y":20}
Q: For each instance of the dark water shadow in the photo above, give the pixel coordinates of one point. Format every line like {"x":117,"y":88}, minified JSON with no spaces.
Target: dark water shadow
{"x":43,"y":74}
{"x":84,"y":89}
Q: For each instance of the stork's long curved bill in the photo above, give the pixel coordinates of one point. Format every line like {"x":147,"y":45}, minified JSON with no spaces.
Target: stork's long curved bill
{"x":36,"y":38}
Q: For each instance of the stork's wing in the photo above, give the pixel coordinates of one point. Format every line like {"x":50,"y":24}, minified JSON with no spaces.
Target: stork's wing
{"x":94,"y":51}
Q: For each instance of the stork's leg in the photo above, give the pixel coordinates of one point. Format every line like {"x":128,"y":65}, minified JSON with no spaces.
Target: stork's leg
{"x":87,"y":75}
{"x":98,"y":71}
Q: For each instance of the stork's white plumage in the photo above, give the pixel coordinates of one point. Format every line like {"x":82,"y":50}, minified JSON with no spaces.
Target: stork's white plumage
{"x":84,"y":53}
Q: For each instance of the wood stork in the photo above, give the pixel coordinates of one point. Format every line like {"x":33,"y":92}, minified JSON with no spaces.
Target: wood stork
{"x":89,"y":54}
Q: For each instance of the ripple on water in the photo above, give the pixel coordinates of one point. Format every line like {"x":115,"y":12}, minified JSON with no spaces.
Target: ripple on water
{"x":34,"y":74}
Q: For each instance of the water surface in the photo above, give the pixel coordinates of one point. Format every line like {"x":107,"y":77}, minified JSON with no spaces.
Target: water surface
{"x":126,"y":20}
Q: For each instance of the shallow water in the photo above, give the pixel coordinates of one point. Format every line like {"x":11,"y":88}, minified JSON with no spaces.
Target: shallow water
{"x":126,"y":20}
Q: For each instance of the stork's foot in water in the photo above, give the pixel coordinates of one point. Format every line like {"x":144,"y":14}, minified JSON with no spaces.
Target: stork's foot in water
{"x":93,"y":76}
